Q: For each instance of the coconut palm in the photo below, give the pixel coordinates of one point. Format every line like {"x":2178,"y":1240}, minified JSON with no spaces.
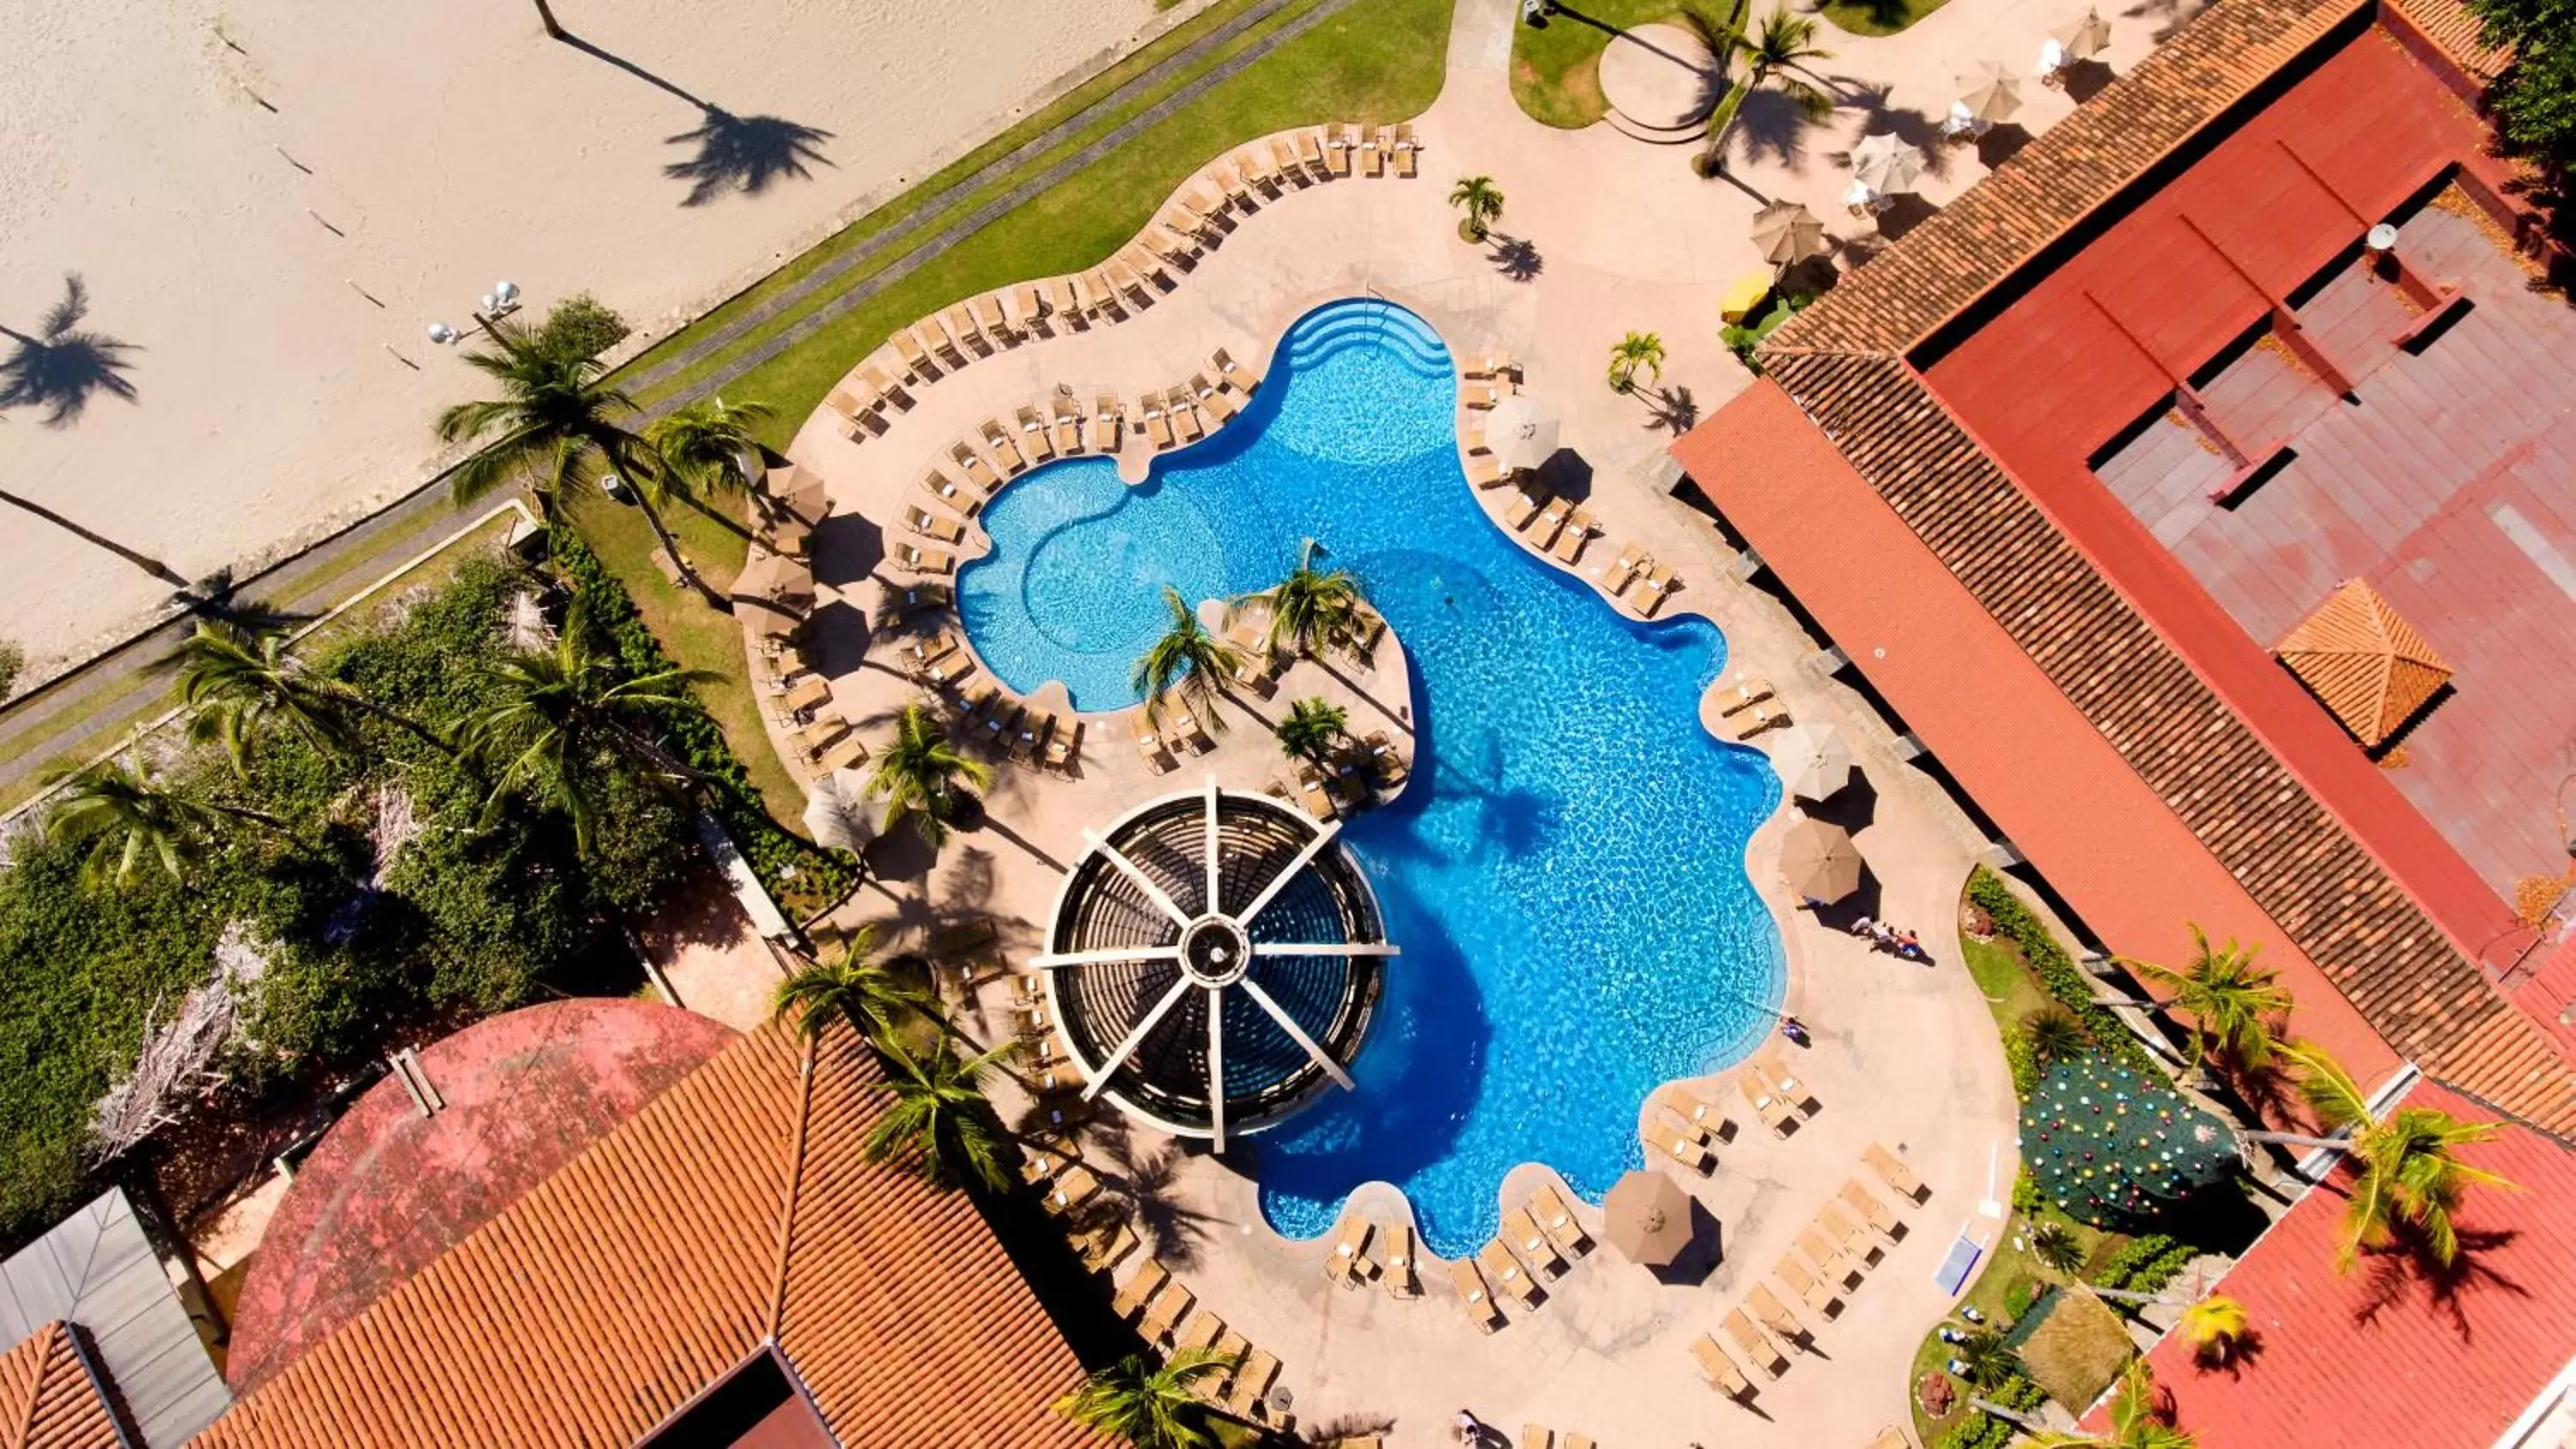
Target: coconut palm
{"x":2409,"y":1174}
{"x":2232,"y":1001}
{"x":1312,"y":728}
{"x":2215,"y":1327}
{"x":1984,"y":1359}
{"x":1774,"y":56}
{"x":59,"y":367}
{"x":1481,"y":200}
{"x":2056,"y":1034}
{"x":939,"y":1117}
{"x":918,"y":774}
{"x":871,"y":995}
{"x":1310,"y":608}
{"x":2056,"y":1248}
{"x":131,"y":820}
{"x":239,"y":679}
{"x":1636,"y":350}
{"x":701,"y":447}
{"x":565,"y":713}
{"x":1188,"y":662}
{"x":2137,"y":1419}
{"x":1151,"y":1405}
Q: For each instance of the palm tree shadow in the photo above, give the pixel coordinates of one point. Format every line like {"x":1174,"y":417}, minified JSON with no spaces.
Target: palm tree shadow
{"x":1671,"y":408}
{"x":631,"y":68}
{"x":1515,"y":257}
{"x":1772,"y":126}
{"x":743,"y":155}
{"x":59,"y":367}
{"x":1143,"y":1181}
{"x":2408,"y":1260}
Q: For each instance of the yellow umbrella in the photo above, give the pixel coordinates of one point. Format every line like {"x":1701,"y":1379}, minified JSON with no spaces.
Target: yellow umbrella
{"x":1743,"y":295}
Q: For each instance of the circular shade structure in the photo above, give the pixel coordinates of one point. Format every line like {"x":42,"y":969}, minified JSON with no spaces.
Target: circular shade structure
{"x":1214,"y":959}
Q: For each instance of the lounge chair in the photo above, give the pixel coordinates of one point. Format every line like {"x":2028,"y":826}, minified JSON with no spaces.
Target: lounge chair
{"x":1032,"y":305}
{"x":1872,"y":1211}
{"x":1558,"y":1218}
{"x":1140,"y":1288}
{"x":1199,"y":1330}
{"x":1098,"y":295}
{"x":951,"y":492}
{"x":1123,"y":279}
{"x":1775,"y":1316}
{"x":961,"y":324}
{"x":1252,"y":1383}
{"x":1775,"y":1113}
{"x":916,"y":358}
{"x":1818,"y":1295}
{"x":1400,"y":1275}
{"x":1475,"y":1296}
{"x":1892,"y":1170}
{"x":1034,"y":732}
{"x":977,"y":468}
{"x":1389,"y":762}
{"x":1653,"y":588}
{"x":1149,"y":745}
{"x":1065,"y":748}
{"x":1491,"y":365}
{"x":988,"y":316}
{"x":1891,"y":1437}
{"x":1743,"y":694}
{"x":1842,"y":1269}
{"x":1183,"y":410}
{"x":1537,"y":1436}
{"x":948,"y":673}
{"x":1068,"y":425}
{"x":1530,"y":1242}
{"x":1255,"y":170}
{"x":1847,"y":1235}
{"x":1578,"y":527}
{"x":1211,"y":398}
{"x":1506,"y":1273}
{"x":930,"y":525}
{"x":1311,"y":794}
{"x":925,"y":651}
{"x":1108,"y":423}
{"x":847,"y":752}
{"x":1406,"y":148}
{"x":1476,"y":394}
{"x":1158,"y":427}
{"x":1006,"y":454}
{"x":1164,"y":1313}
{"x":1372,"y":154}
{"x":1233,"y":373}
{"x":1033,"y":440}
{"x":1543,"y":529}
{"x":1759,"y":718}
{"x":1105,"y":1249}
{"x":1522,"y":507}
{"x":1616,"y":575}
{"x":1284,"y":157}
{"x":1349,"y":1253}
{"x":1697,"y":1112}
{"x":925,"y":560}
{"x":1757,"y":1350}
{"x":1230,"y":1346}
{"x":1486,"y":470}
{"x":1229,"y":179}
{"x":1076,"y":1187}
{"x":1166,"y":244}
{"x":1064,"y":307}
{"x":1721,"y":1371}
{"x":1665,"y":1140}
{"x":1337,"y":149}
{"x":1785,"y":1082}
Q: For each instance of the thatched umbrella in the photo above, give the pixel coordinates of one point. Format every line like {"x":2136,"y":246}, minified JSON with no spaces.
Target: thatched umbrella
{"x":1788,"y":234}
{"x":1819,"y":861}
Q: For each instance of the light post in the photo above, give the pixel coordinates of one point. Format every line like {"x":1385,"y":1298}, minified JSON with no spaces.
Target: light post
{"x":493,"y":305}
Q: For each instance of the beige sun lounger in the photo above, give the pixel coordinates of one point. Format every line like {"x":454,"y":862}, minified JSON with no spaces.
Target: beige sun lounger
{"x":1108,"y":423}
{"x":1158,"y":426}
{"x":1212,"y":398}
{"x":977,"y":468}
{"x":1475,"y":1296}
{"x":1350,"y":1250}
{"x":1558,"y":1218}
{"x":1700,"y":1113}
{"x":1522,"y":507}
{"x":1233,"y":372}
{"x":1255,"y":170}
{"x":1757,"y":1350}
{"x":1005,"y":453}
{"x":1616,"y":575}
{"x":987,"y":309}
{"x":951,"y":492}
{"x":1475,"y":393}
{"x":1062,"y":305}
{"x":916,"y":358}
{"x":1229,"y":179}
{"x":1785,"y":1082}
{"x":1847,"y":1235}
{"x":1743,"y":694}
{"x":1102,"y":1251}
{"x":1068,"y":426}
{"x":1775,"y":1316}
{"x":847,"y":752}
{"x":1284,"y":157}
{"x":1872,"y":1210}
{"x":1097,"y":295}
{"x":1506,"y":1272}
{"x":1569,"y":544}
{"x":1252,"y":1382}
{"x":1076,"y":1187}
{"x":1199,"y":1330}
{"x":1150,"y":747}
{"x":1892,"y":1170}
{"x":1485,"y":470}
{"x":1757,"y":719}
{"x":1819,"y":1296}
{"x":1183,"y":410}
{"x":1032,"y":303}
{"x":1543,"y":529}
{"x":1065,"y":748}
{"x":1530,"y":1242}
{"x":1148,"y":1280}
{"x":1401,"y":1275}
{"x":1653,"y":588}
{"x":948,"y":673}
{"x":1840,"y":1268}
{"x":1033,"y":440}
{"x":1123,"y":279}
{"x":1337,"y":149}
{"x":925,"y":560}
{"x":962,"y":326}
{"x":1665,"y":1140}
{"x":1035,"y":730}
{"x":1720,"y":1370}
{"x":1775,"y":1113}
{"x":1406,"y":148}
{"x":1372,"y":154}
{"x":1164,"y":1313}
{"x":930,"y":525}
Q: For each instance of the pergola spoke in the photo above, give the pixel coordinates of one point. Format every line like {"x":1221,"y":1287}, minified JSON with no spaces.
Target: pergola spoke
{"x":1326,"y":948}
{"x":1110,"y":1064}
{"x":1297,"y":1033}
{"x":1288,"y":872}
{"x":1107,"y":955}
{"x":1214,"y":855}
{"x":1136,"y":873}
{"x":1216,"y":1064}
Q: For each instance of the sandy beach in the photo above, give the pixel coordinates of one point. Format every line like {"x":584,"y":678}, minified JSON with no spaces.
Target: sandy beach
{"x":270,"y":201}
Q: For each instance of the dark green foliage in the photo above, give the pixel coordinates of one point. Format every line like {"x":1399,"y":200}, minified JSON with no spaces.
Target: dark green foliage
{"x":1743,"y":339}
{"x":2146,"y":1265}
{"x":803,"y":876}
{"x":1985,"y":1431}
{"x":2057,"y":973}
{"x":12,"y":659}
{"x":2026,"y":1197}
{"x":2112,"y":1146}
{"x":2535,"y":99}
{"x":582,"y":325}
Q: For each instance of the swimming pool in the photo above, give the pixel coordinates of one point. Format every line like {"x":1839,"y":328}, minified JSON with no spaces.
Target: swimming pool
{"x":1565,"y":873}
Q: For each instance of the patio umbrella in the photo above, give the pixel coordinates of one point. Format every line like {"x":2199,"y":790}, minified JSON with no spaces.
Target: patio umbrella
{"x":1743,"y":295}
{"x":1522,"y":432}
{"x":1885,"y":164}
{"x":1788,"y":234}
{"x":775,"y":578}
{"x":1813,"y":761}
{"x":786,"y":535}
{"x":1990,"y":93}
{"x":2084,"y":39}
{"x":800,"y":491}
{"x":774,"y":618}
{"x":1820,"y":860}
{"x":1650,"y":1218}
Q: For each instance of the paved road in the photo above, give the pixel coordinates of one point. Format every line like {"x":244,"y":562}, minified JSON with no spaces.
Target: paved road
{"x":82,"y":713}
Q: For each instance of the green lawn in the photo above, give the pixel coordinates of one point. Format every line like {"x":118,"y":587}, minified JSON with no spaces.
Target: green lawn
{"x":1556,"y":68}
{"x":1878,"y":17}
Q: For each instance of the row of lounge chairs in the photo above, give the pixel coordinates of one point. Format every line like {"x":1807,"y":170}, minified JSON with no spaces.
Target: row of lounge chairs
{"x":1553,"y":524}
{"x":1833,"y":1256}
{"x":1348,"y":1264}
{"x":1539,"y":1436}
{"x":1753,"y":706}
{"x":1543,"y":1236}
{"x":1685,"y":1128}
{"x":1178,"y":732}
{"x":1021,"y":733}
{"x":1169,"y":1315}
{"x":1778,"y":1097}
{"x":1635,"y":578}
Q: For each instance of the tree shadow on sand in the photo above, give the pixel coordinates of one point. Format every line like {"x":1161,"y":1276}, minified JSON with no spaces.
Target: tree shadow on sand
{"x":59,"y":367}
{"x":744,"y":155}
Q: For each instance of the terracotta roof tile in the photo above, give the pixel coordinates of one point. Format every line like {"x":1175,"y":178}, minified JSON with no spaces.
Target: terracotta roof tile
{"x":2294,"y":858}
{"x":48,"y":1399}
{"x":2366,"y":664}
{"x":2453,"y":30}
{"x":661,"y":1256}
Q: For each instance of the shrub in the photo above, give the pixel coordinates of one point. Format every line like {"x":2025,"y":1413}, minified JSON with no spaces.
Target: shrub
{"x":2057,"y":972}
{"x":2147,"y":1264}
{"x":2026,"y":1197}
{"x":1984,"y":1430}
{"x":2021,"y":1055}
{"x":12,"y":660}
{"x":584,"y":323}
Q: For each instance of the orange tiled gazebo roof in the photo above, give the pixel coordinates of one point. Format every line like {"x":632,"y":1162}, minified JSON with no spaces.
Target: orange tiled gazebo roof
{"x":47,"y":1398}
{"x":2363,"y":662}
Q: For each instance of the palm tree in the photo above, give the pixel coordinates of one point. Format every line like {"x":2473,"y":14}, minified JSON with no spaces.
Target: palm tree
{"x":562,"y":712}
{"x":1310,"y":608}
{"x":2137,"y":1421}
{"x":917,"y":775}
{"x":1481,"y":200}
{"x":130,"y":820}
{"x":939,"y":1117}
{"x":2056,"y":1248}
{"x":1150,"y":1405}
{"x":702,"y":446}
{"x":2056,"y":1034}
{"x":2410,"y":1176}
{"x":1984,"y":1360}
{"x":2215,"y":1327}
{"x":240,"y":679}
{"x":870,"y":995}
{"x":59,"y":367}
{"x":1187,"y":661}
{"x":1773,"y":56}
{"x":1636,"y":350}
{"x":1312,"y":728}
{"x":2232,"y":1001}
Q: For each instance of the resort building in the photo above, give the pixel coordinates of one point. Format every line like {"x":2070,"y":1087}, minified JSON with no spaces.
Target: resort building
{"x":102,"y":1353}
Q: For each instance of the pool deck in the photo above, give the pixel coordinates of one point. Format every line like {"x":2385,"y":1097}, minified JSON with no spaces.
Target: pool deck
{"x":1617,"y":237}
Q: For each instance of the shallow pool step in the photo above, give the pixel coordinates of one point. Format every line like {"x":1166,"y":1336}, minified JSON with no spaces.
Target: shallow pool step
{"x":1387,"y":329}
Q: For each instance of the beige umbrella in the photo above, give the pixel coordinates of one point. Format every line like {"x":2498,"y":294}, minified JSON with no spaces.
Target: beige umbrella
{"x":2084,"y":39}
{"x":1819,"y":860}
{"x":1521,"y":431}
{"x":786,"y":535}
{"x":1649,"y":1218}
{"x":800,"y":491}
{"x":776,"y":619}
{"x":775,"y":578}
{"x":1812,"y":760}
{"x":1788,"y":234}
{"x":1885,"y":164}
{"x":1990,"y":93}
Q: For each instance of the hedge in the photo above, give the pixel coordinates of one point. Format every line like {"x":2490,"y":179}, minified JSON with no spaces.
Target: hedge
{"x":2147,"y":1264}
{"x":1985,"y":1431}
{"x":790,"y":867}
{"x":2057,"y":972}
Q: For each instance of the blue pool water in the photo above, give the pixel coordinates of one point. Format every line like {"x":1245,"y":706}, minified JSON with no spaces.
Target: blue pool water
{"x":1565,"y":873}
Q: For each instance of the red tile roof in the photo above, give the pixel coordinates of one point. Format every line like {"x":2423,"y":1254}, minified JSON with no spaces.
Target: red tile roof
{"x":2364,"y":662}
{"x":732,"y":1209}
{"x":47,"y":1398}
{"x":2387,"y":1358}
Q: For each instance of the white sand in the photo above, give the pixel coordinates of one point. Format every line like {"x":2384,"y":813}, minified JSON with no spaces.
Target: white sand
{"x":454,"y":145}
